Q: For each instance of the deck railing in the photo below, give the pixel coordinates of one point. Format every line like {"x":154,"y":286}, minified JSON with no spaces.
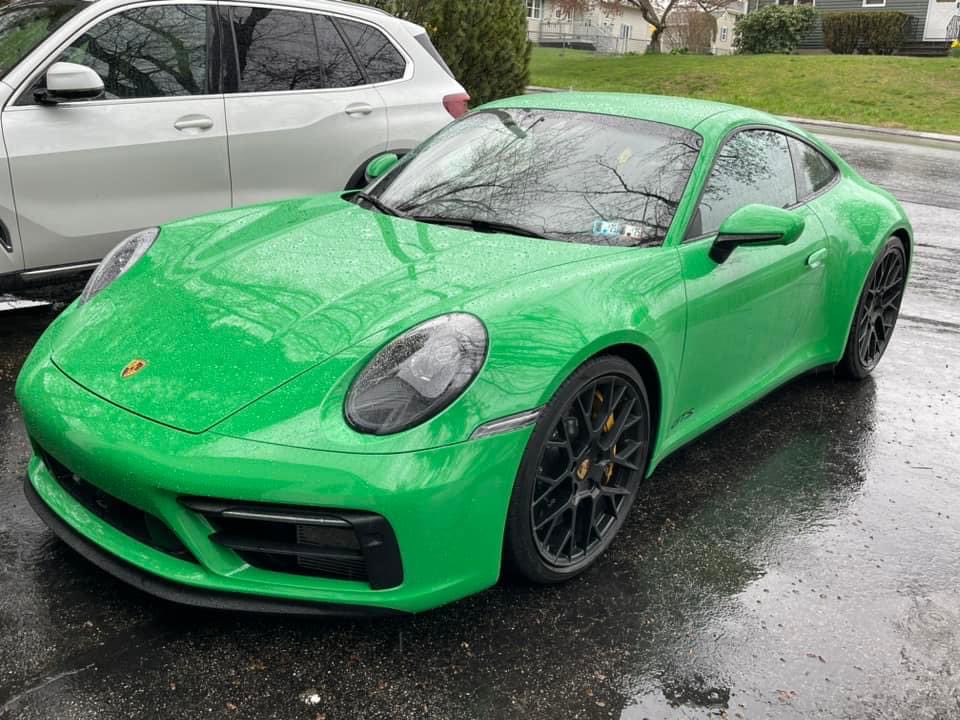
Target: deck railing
{"x":953,"y":29}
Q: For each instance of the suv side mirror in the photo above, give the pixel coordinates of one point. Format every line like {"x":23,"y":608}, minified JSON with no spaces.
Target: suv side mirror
{"x":756,"y":225}
{"x":381,"y":165}
{"x":69,"y":81}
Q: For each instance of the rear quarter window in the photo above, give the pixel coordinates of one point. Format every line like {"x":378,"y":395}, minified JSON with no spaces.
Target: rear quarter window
{"x":378,"y":58}
{"x":814,"y":170}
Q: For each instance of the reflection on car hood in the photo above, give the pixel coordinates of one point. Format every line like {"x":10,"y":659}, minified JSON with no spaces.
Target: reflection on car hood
{"x":226,"y":307}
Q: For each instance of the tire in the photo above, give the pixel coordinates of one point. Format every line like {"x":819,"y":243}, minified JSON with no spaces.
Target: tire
{"x":579,"y":473}
{"x":877,"y":312}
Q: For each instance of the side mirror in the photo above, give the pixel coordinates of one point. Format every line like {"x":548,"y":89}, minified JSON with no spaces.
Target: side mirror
{"x":70,"y":81}
{"x":756,"y":225}
{"x":381,"y":165}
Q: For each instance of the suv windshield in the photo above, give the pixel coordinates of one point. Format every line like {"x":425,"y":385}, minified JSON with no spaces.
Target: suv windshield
{"x":570,"y":176}
{"x":24,"y":25}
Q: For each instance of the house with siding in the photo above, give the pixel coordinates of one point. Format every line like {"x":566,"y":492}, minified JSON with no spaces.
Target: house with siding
{"x":932,"y":25}
{"x":622,"y":30}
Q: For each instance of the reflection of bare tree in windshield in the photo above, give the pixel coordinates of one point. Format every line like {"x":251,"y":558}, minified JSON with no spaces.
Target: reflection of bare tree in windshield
{"x":567,"y":176}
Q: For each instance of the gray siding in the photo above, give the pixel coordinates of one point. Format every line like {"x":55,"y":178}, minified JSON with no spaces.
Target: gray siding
{"x":814,"y":39}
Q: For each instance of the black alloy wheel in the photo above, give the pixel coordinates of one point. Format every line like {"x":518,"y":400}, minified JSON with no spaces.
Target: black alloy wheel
{"x":580,"y":472}
{"x":877,"y":312}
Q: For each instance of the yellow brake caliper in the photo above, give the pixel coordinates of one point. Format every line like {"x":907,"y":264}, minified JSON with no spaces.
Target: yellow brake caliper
{"x":607,"y":427}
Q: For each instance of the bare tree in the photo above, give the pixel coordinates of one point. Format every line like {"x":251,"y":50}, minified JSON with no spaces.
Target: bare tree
{"x":693,"y":30}
{"x":655,"y":13}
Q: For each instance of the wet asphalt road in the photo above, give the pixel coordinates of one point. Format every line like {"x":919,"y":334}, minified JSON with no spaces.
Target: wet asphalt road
{"x":800,"y":561}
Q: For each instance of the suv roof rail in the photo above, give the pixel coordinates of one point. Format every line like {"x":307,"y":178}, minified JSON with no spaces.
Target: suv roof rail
{"x":365,"y":6}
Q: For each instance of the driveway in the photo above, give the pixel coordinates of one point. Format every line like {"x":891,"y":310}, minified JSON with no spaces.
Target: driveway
{"x":800,"y":561}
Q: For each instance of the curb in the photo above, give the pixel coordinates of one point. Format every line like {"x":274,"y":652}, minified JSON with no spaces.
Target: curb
{"x":878,"y":133}
{"x":833,"y":127}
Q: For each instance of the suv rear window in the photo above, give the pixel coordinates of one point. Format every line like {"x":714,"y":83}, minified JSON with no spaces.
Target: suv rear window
{"x":379,"y":59}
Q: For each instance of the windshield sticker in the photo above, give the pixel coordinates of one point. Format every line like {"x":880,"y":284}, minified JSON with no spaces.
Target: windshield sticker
{"x":605,"y":228}
{"x":611,"y":229}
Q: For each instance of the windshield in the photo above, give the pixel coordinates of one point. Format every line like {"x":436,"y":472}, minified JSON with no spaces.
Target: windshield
{"x":570,"y":176}
{"x":24,"y":25}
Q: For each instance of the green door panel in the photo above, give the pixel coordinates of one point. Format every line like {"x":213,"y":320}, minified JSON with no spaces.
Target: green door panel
{"x":751,"y":320}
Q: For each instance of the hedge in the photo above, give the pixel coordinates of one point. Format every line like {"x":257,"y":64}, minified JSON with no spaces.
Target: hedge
{"x":878,"y":32}
{"x":483,"y":41}
{"x":773,"y":29}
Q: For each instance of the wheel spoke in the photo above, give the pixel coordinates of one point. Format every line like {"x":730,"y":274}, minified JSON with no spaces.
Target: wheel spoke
{"x":551,"y":483}
{"x":556,"y":513}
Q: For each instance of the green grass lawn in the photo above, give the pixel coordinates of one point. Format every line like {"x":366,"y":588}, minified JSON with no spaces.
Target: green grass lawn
{"x":897,"y":92}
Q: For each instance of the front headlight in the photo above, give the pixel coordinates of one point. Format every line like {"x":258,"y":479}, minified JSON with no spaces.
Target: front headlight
{"x":118,"y":261}
{"x":417,"y":375}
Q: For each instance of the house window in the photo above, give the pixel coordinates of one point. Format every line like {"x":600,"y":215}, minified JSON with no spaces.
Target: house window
{"x":626,"y":31}
{"x":559,"y":14}
{"x":534,"y":9}
{"x":723,"y":34}
{"x":874,"y":3}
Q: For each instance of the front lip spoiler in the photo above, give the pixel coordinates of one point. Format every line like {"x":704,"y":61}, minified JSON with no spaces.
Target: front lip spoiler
{"x":184,"y":594}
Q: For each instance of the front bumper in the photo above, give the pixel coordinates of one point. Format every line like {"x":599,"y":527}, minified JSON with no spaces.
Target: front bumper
{"x":447,"y":506}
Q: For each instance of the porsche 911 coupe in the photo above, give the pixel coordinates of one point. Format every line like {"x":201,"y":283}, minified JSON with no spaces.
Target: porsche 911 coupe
{"x":374,"y":401}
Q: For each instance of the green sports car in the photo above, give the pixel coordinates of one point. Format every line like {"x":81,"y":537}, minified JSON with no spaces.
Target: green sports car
{"x":372,"y":401}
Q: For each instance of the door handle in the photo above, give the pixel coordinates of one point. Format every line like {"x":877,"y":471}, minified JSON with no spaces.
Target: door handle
{"x":193,"y":122}
{"x":816,"y":258}
{"x":358,"y":109}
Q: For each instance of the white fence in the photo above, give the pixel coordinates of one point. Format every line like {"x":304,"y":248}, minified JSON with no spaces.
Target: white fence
{"x":584,"y":37}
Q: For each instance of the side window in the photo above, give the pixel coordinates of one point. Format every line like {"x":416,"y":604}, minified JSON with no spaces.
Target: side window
{"x":276,"y":50}
{"x":148,"y":52}
{"x":753,"y":167}
{"x":814,"y":171}
{"x":339,"y":66}
{"x":380,"y":60}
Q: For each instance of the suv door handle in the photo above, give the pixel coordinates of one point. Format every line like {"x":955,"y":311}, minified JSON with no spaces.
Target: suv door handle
{"x":358,"y":109}
{"x":193,"y":122}
{"x":816,"y":258}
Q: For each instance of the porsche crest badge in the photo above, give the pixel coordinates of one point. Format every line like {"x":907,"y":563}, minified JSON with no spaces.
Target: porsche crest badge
{"x":132,"y":368}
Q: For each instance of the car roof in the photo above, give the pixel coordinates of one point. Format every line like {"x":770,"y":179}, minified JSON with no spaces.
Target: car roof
{"x":345,"y":5}
{"x":681,"y":112}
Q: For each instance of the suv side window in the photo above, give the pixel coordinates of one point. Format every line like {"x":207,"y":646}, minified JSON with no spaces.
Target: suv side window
{"x":280,"y":50}
{"x":276,"y":50}
{"x":753,"y":167}
{"x":814,"y":171}
{"x":377,"y":56}
{"x":148,"y":52}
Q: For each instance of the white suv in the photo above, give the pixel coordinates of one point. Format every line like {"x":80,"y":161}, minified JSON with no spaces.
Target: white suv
{"x":118,"y":114}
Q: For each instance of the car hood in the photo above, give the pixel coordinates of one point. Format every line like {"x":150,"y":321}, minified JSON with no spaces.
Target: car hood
{"x":226,"y":307}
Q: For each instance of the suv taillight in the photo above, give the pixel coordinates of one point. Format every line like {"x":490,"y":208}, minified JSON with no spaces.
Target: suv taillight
{"x":457,"y":105}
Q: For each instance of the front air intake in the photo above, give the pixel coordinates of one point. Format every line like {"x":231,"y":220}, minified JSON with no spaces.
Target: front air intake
{"x":336,"y":544}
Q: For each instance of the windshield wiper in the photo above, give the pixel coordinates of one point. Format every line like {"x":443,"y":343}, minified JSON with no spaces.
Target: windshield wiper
{"x":379,"y":204}
{"x":489,"y":226}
